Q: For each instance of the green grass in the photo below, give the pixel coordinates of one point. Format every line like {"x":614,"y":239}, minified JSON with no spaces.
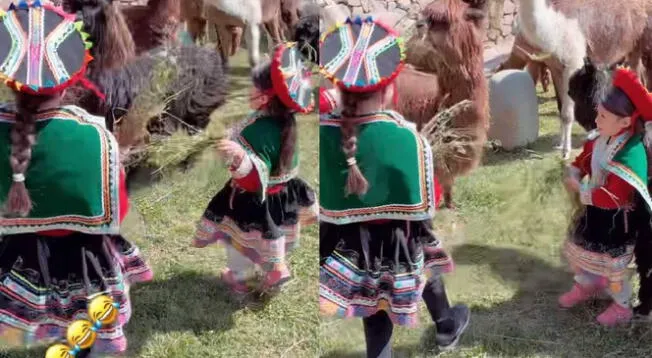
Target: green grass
{"x":186,"y":311}
{"x":505,"y":239}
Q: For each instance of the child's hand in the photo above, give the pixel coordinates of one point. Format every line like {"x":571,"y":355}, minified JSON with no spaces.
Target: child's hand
{"x":572,"y":184}
{"x":231,"y":151}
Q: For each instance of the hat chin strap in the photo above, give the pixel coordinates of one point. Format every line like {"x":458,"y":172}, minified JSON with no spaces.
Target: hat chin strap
{"x":92,"y":87}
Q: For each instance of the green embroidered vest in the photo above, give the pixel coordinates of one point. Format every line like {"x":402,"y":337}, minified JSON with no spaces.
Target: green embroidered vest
{"x":626,"y":157}
{"x":396,"y":161}
{"x":260,"y":135}
{"x":72,"y":176}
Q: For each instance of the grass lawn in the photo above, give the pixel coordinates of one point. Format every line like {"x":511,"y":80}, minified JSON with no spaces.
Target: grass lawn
{"x":185,"y":312}
{"x":505,"y":239}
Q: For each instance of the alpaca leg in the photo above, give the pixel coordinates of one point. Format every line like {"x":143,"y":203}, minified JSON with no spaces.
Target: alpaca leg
{"x":567,"y":114}
{"x":222,"y":43}
{"x":447,"y":182}
{"x":561,"y":89}
{"x":253,"y":43}
{"x":236,"y":39}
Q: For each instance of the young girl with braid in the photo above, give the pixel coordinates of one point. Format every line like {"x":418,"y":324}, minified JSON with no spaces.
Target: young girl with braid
{"x":261,"y":209}
{"x":379,"y":256}
{"x":62,"y":190}
{"x":605,"y":237}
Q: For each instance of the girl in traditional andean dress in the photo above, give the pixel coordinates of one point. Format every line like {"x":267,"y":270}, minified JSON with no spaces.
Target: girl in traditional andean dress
{"x":62,"y":186}
{"x":260,"y":211}
{"x":615,"y":198}
{"x":378,"y":196}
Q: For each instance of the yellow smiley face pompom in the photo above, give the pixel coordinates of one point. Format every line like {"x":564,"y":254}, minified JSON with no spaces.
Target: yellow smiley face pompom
{"x":81,"y":333}
{"x":58,"y":351}
{"x":102,"y":309}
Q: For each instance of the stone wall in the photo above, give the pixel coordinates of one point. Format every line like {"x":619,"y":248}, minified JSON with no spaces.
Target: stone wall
{"x":499,"y":29}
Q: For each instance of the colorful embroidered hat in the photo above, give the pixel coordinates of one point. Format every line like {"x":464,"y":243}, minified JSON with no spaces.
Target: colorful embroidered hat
{"x":292,"y":79}
{"x":43,"y":50}
{"x":361,"y":55}
{"x":627,"y":81}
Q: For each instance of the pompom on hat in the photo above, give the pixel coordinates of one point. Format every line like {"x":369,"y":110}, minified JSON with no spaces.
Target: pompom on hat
{"x":292,"y":78}
{"x":43,"y":49}
{"x":361,"y":55}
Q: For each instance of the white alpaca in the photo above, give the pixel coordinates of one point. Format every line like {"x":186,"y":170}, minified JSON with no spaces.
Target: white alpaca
{"x":605,"y":31}
{"x":562,"y":38}
{"x":247,"y":14}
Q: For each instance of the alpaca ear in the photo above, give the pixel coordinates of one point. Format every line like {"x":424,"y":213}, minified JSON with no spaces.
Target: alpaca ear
{"x":477,"y":4}
{"x":477,"y":11}
{"x":475,"y":15}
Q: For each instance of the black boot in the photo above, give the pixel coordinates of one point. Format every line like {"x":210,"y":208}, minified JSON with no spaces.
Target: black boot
{"x":451,"y":322}
{"x":451,"y":328}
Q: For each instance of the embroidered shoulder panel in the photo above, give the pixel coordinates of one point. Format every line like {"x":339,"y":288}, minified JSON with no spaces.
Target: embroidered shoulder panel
{"x":395,"y":159}
{"x":73,"y":176}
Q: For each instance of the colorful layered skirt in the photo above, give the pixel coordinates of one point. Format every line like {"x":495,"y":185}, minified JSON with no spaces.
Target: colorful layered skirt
{"x":262,"y":231}
{"x":601,"y":242}
{"x":369,"y":267}
{"x":45,"y":283}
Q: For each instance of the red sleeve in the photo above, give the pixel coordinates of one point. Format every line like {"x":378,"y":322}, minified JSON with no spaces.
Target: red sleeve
{"x":250,"y":182}
{"x":583,"y":160}
{"x":326,"y":101}
{"x":438,"y":193}
{"x":124,"y":197}
{"x":615,"y":194}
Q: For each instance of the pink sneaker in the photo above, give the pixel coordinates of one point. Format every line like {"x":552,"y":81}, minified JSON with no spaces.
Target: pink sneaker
{"x":239,"y":287}
{"x":577,"y":294}
{"x":615,"y":315}
{"x":274,"y":280}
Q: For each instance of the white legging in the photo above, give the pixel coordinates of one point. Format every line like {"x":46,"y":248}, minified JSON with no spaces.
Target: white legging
{"x":241,"y":267}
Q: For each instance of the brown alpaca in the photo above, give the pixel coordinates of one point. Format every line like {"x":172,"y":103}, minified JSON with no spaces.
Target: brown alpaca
{"x":154,"y":24}
{"x":521,"y":57}
{"x":604,"y":30}
{"x":449,"y":46}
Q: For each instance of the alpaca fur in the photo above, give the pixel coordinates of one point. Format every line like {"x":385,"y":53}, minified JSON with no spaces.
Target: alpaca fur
{"x":197,"y":90}
{"x":306,"y":32}
{"x":449,"y":46}
{"x":199,"y":87}
{"x":154,"y":24}
{"x":604,"y":30}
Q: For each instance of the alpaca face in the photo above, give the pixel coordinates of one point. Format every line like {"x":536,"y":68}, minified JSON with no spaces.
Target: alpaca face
{"x":453,"y":28}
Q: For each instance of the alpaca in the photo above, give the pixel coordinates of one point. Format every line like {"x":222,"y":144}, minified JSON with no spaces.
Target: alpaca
{"x":448,"y":46}
{"x":230,"y":18}
{"x":586,"y":87}
{"x":306,"y":31}
{"x":520,"y":58}
{"x":198,"y":86}
{"x":154,"y":24}
{"x":603,"y":30}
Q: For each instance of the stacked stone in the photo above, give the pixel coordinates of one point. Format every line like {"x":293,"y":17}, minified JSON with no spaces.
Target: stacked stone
{"x":499,"y":28}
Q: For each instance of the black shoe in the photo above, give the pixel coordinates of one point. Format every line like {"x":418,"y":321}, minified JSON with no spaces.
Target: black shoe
{"x":642,"y":312}
{"x":460,"y":316}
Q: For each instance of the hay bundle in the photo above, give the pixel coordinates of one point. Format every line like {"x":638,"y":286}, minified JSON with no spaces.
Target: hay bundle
{"x":449,"y":144}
